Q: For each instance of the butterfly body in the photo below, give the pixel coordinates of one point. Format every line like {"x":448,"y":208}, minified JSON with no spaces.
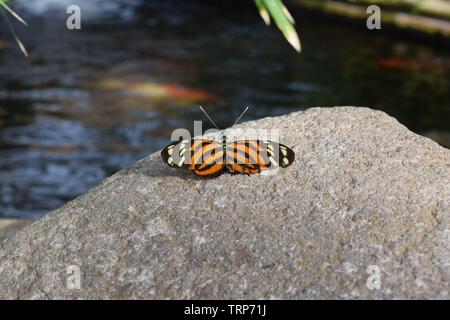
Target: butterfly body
{"x":209,"y":158}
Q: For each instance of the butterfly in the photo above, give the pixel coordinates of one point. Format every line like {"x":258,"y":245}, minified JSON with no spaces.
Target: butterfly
{"x":209,"y":158}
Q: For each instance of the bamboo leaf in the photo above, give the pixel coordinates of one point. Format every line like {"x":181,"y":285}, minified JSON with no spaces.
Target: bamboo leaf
{"x":287,"y":13}
{"x":284,"y":21}
{"x":16,"y":38}
{"x":3,"y":3}
{"x":263,"y":11}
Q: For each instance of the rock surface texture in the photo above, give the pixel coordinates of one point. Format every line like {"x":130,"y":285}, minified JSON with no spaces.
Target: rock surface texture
{"x":364,"y":195}
{"x":10,"y":226}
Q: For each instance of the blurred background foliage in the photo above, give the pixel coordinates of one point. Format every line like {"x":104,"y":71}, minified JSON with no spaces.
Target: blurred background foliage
{"x":277,"y":11}
{"x":86,"y":103}
{"x":5,"y":10}
{"x":268,"y":9}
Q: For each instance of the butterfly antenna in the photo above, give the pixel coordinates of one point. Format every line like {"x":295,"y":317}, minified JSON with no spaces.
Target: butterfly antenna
{"x":209,"y":118}
{"x":239,"y":118}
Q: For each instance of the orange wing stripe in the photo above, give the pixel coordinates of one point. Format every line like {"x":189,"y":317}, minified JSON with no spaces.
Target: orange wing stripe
{"x":254,"y":156}
{"x":241,"y":169}
{"x":203,"y":152}
{"x":212,"y":159}
{"x":238,"y":158}
{"x":254,"y":143}
{"x":216,"y":168}
{"x":196,"y":144}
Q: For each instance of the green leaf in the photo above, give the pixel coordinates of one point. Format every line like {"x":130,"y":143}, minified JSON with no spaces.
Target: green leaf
{"x":3,"y":3}
{"x":263,"y":11}
{"x":282,"y":18}
{"x":3,"y":8}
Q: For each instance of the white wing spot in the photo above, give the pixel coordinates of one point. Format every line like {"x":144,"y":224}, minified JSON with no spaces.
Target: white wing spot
{"x":283,"y":151}
{"x":272,"y":160}
{"x":170,"y":160}
{"x":269,"y":146}
{"x":169,"y":151}
{"x":285,"y":161}
{"x":181,"y":161}
{"x":271,"y":152}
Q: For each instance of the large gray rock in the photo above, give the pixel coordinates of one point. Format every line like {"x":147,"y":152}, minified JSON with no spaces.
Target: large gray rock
{"x":10,"y":226}
{"x":364,"y":193}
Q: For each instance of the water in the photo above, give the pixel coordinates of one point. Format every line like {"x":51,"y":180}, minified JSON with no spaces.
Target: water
{"x":88,"y":103}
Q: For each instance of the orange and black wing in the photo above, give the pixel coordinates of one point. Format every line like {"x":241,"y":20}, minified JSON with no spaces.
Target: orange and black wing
{"x":252,"y":156}
{"x":203,"y":157}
